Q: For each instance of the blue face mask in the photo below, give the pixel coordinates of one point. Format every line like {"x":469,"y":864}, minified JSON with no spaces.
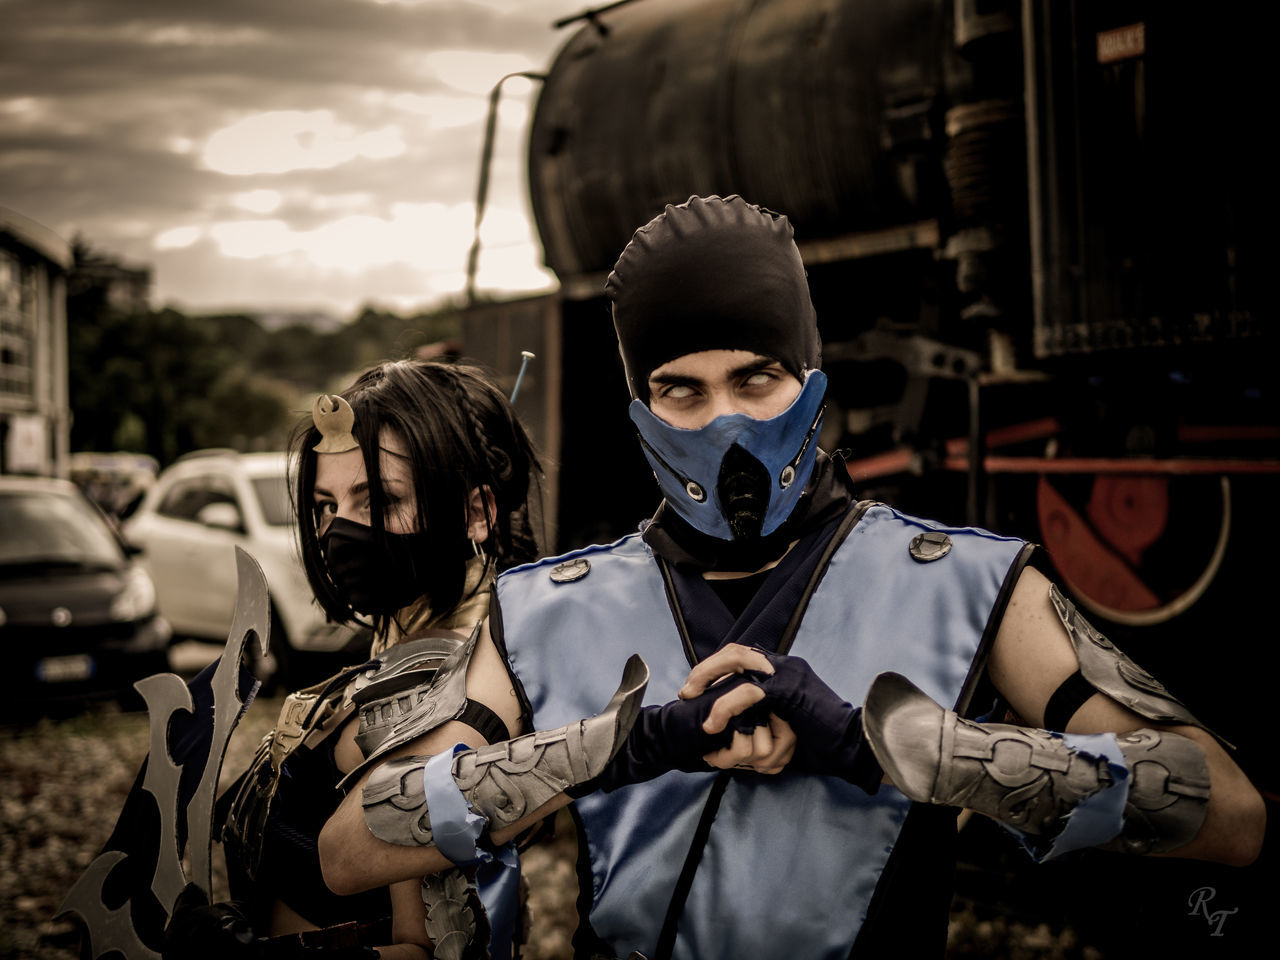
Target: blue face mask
{"x":736,"y":477}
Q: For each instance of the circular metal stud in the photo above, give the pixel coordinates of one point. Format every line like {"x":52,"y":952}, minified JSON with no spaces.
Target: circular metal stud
{"x":570,"y":570}
{"x":930,"y":546}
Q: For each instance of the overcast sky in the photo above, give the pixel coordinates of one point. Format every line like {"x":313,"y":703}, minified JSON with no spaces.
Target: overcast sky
{"x":278,"y":154}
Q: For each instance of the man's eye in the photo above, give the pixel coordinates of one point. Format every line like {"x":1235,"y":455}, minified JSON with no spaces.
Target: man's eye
{"x":759,"y":379}
{"x":678,"y":392}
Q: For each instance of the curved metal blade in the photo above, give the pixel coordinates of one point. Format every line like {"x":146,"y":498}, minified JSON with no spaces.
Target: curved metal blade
{"x":108,"y":930}
{"x":165,"y":694}
{"x":111,"y":930}
{"x":252,"y":623}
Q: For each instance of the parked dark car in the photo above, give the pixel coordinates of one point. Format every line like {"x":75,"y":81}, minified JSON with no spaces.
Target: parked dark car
{"x":77,"y":614}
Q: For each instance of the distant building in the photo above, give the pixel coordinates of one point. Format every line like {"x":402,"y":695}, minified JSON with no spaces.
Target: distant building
{"x":35,"y":413}
{"x":122,"y":287}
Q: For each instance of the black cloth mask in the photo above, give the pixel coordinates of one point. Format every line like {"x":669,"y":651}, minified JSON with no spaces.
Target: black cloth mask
{"x":381,"y":578}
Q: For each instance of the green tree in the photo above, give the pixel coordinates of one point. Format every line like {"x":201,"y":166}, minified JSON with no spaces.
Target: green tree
{"x":164,"y":383}
{"x":159,"y":382}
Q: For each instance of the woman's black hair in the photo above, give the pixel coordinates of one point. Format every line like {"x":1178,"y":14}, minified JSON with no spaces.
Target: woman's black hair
{"x":460,"y":434}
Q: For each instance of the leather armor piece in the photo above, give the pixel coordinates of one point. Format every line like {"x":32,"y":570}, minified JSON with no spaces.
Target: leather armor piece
{"x":455,"y":922}
{"x":1112,"y":673}
{"x":1024,"y":777}
{"x":404,"y":697}
{"x":416,"y":686}
{"x":505,"y":781}
{"x":1032,"y":779}
{"x":408,"y":674}
{"x":251,"y":806}
{"x":1168,"y":792}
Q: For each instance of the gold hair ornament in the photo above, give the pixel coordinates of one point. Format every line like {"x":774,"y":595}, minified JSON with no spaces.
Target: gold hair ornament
{"x":334,"y":419}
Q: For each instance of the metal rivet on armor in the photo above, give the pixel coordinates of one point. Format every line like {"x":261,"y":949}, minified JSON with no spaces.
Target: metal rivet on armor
{"x":570,"y":570}
{"x":787,"y":476}
{"x":695,"y":492}
{"x":61,"y":617}
{"x":930,"y":546}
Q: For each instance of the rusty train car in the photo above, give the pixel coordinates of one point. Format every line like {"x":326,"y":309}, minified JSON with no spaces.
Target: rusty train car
{"x":1039,"y":235}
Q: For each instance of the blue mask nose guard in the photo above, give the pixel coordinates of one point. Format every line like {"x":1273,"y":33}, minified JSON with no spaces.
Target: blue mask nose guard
{"x":689,"y":463}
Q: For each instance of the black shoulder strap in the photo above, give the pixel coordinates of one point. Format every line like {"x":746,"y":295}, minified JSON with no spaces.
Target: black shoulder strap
{"x":1066,"y":700}
{"x":850,"y":520}
{"x":978,"y":669}
{"x":497,"y":632}
{"x":667,"y":938}
{"x":484,"y":721}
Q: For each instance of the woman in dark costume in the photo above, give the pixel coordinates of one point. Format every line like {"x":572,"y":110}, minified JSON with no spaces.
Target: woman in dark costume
{"x":411,"y":494}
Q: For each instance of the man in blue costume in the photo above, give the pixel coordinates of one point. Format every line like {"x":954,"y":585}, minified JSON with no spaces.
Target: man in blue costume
{"x":740,"y":812}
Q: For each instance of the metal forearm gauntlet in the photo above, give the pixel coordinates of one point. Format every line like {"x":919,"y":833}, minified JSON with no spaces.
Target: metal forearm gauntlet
{"x":1168,"y":792}
{"x":506,"y":781}
{"x":1032,"y":779}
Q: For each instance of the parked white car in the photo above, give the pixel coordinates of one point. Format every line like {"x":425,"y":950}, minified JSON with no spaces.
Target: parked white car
{"x":198,"y":511}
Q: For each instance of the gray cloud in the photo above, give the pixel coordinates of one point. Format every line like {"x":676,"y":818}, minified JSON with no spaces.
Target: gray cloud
{"x":106,"y":105}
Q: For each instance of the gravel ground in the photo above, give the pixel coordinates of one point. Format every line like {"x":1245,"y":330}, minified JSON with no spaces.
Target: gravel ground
{"x":64,"y":781}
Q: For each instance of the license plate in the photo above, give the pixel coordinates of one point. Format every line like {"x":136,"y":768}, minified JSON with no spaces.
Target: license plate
{"x":78,"y":666}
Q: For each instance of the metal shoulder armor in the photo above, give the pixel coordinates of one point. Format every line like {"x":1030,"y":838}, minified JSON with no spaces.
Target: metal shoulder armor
{"x":414,"y":687}
{"x":1106,"y":668}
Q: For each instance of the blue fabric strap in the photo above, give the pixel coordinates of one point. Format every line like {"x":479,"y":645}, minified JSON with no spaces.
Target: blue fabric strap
{"x":1098,"y":818}
{"x":455,"y":830}
{"x":498,"y":880}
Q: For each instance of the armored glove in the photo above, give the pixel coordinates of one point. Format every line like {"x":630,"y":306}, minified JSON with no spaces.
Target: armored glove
{"x":828,"y":729}
{"x":670,"y":737}
{"x":201,"y":930}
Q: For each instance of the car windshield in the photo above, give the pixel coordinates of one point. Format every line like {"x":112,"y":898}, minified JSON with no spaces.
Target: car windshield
{"x":273,"y":497}
{"x":54,"y":530}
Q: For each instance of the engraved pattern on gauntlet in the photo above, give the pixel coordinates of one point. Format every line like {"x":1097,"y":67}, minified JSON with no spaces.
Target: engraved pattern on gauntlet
{"x":508,"y":780}
{"x":1026,"y":778}
{"x":502,"y":782}
{"x":1029,"y":778}
{"x":1168,"y":792}
{"x":395,"y":804}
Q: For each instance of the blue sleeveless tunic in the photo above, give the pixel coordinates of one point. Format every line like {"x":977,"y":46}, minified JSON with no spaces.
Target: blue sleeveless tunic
{"x":792,"y":860}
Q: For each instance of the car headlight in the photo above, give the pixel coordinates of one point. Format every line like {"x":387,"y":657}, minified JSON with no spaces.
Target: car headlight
{"x":138,"y":598}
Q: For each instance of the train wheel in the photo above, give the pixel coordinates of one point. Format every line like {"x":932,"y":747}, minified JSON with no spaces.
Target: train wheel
{"x":1137,"y":550}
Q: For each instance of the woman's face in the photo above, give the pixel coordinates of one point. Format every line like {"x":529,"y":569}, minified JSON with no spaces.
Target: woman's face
{"x":342,"y":489}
